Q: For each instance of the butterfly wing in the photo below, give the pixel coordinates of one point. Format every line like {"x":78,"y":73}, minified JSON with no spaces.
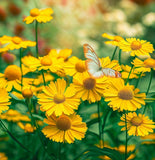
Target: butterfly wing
{"x":111,"y":73}
{"x":93,"y":64}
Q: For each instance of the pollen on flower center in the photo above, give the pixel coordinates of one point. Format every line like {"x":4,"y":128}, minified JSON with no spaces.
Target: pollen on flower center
{"x":16,"y":40}
{"x":46,"y":61}
{"x":63,"y":123}
{"x":125,"y":93}
{"x":118,"y":38}
{"x":149,"y":63}
{"x":12,"y":72}
{"x":136,"y":121}
{"x":34,"y":12}
{"x":135,"y":45}
{"x":80,"y":66}
{"x":89,"y":83}
{"x":58,"y":98}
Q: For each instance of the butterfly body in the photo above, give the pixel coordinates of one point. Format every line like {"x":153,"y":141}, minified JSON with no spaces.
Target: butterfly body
{"x":94,"y":67}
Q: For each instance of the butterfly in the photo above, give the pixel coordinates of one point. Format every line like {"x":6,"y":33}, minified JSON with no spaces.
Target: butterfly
{"x":94,"y":67}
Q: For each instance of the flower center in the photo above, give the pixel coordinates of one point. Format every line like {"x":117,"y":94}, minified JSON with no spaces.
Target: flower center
{"x":34,"y":12}
{"x":27,"y":93}
{"x":63,"y":123}
{"x":136,"y":121}
{"x":58,"y":98}
{"x":12,"y":72}
{"x":80,"y":66}
{"x":125,"y":93}
{"x":118,"y":38}
{"x":135,"y":45}
{"x":46,"y":61}
{"x":89,"y":83}
{"x":16,"y":40}
{"x":149,"y":63}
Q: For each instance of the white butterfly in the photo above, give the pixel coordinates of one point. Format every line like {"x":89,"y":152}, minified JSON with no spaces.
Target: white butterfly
{"x":94,"y":67}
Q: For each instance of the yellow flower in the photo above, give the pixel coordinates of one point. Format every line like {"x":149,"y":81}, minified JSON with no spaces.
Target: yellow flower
{"x":40,"y":15}
{"x":12,"y":78}
{"x":39,"y":80}
{"x":15,"y":116}
{"x":126,"y":70}
{"x":63,"y":53}
{"x":107,"y":63}
{"x":28,"y":128}
{"x":64,"y":128}
{"x":4,"y":100}
{"x":42,"y":63}
{"x":89,"y":88}
{"x":75,"y":67}
{"x":27,"y":92}
{"x":136,"y":47}
{"x":114,"y":39}
{"x":3,"y":156}
{"x":137,"y":125}
{"x":58,"y":98}
{"x":144,"y":66}
{"x":123,"y":97}
{"x":12,"y":43}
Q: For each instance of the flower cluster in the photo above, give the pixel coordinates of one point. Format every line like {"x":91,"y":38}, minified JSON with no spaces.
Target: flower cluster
{"x":55,"y":87}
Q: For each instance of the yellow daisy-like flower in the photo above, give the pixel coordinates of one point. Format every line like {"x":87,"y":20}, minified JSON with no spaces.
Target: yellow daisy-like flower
{"x":114,"y":39}
{"x":123,"y":97}
{"x":28,"y":128}
{"x":64,"y":128}
{"x":12,"y":78}
{"x":75,"y":67}
{"x":3,"y":156}
{"x":126,"y":70}
{"x":39,"y":79}
{"x":42,"y":63}
{"x":137,"y":125}
{"x":11,"y":43}
{"x":58,"y":98}
{"x":40,"y":15}
{"x":4,"y":100}
{"x":89,"y":88}
{"x":107,"y":63}
{"x":144,"y":66}
{"x":63,"y":53}
{"x":15,"y":116}
{"x":136,"y":47}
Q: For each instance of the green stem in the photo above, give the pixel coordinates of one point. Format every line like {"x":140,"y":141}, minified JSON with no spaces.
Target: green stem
{"x":36,"y":32}
{"x":103,"y":125}
{"x":113,"y":55}
{"x":126,"y":138}
{"x":28,"y":101}
{"x":150,"y":82}
{"x":43,"y":77}
{"x":129,"y":75}
{"x":12,"y":136}
{"x":139,"y":76}
{"x":99,"y":123}
{"x":120,"y":52}
{"x":20,"y":50}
